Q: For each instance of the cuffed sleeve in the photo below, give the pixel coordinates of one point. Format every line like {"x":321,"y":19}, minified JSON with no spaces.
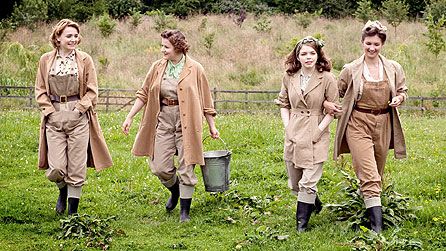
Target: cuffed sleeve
{"x":206,"y":97}
{"x":282,"y":100}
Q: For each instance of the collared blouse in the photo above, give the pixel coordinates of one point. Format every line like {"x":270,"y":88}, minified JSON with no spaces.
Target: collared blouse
{"x":64,"y":65}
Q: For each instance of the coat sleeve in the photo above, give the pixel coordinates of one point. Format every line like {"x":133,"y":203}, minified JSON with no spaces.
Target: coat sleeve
{"x":400,"y":81}
{"x":345,"y":79}
{"x":283,"y":100}
{"x":90,"y":98}
{"x":143,"y":92}
{"x":205,"y":93}
{"x":41,"y":94}
{"x":331,"y":92}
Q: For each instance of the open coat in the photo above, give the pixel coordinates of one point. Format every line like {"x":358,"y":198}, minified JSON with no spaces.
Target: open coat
{"x":305,"y":143}
{"x":98,"y":154}
{"x":195,"y":101}
{"x":349,"y":85}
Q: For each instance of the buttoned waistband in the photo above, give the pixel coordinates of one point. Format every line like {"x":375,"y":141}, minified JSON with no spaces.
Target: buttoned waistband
{"x":307,"y":112}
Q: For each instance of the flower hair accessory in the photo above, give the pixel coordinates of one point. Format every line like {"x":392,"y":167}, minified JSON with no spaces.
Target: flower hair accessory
{"x":374,"y":24}
{"x":309,"y":39}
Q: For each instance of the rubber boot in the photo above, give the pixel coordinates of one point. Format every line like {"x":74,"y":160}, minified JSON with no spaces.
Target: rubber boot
{"x":185,"y":209}
{"x":376,"y":218}
{"x":172,"y":202}
{"x":73,"y":204}
{"x":61,"y":204}
{"x":303,"y":214}
{"x":317,"y":205}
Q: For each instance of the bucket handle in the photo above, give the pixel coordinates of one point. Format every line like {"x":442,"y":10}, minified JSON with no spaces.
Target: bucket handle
{"x":226,"y":147}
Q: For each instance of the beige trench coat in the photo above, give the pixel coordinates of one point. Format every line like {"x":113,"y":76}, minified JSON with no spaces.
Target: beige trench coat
{"x":98,"y":154}
{"x":305,"y":143}
{"x":349,"y":85}
{"x":195,"y":101}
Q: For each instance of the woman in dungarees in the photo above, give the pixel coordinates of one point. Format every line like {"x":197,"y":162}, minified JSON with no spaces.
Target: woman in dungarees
{"x":372,"y":87}
{"x":176,"y":96}
{"x":66,"y":93}
{"x":305,"y":86}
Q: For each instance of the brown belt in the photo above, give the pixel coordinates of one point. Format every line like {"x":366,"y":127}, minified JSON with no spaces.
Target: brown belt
{"x":372,"y":111}
{"x":169,"y":102}
{"x":63,"y":98}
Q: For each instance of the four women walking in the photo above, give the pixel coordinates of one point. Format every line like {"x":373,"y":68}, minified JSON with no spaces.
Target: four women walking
{"x":175,"y":96}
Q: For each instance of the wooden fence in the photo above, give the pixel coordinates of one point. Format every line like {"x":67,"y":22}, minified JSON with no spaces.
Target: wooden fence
{"x":225,"y":101}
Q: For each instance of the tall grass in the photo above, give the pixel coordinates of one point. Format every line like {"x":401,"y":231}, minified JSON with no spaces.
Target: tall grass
{"x":240,"y":57}
{"x":257,"y":208}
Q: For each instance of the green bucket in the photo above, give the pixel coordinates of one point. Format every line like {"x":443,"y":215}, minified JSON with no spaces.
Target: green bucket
{"x":216,"y":170}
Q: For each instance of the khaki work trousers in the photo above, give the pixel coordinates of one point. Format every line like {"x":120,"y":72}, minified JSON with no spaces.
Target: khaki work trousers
{"x":303,"y":181}
{"x":368,"y":137}
{"x":67,"y":134}
{"x":168,"y":142}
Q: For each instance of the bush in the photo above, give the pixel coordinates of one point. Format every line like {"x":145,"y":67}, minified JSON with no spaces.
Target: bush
{"x":75,"y":9}
{"x":435,"y":43}
{"x":106,"y":25}
{"x":394,"y":12}
{"x":162,"y":21}
{"x":437,"y":9}
{"x":263,"y":24}
{"x":123,"y":8}
{"x":136,"y":18}
{"x":364,"y":11}
{"x":28,"y":13}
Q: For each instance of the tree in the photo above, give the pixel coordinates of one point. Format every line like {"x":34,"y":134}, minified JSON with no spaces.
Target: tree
{"x":436,"y":43}
{"x":365,"y":11}
{"x":395,"y":12}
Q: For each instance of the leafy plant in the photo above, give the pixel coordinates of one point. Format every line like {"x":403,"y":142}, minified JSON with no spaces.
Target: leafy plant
{"x":209,"y":40}
{"x":304,"y":19}
{"x":395,"y":207}
{"x":122,"y":8}
{"x":263,"y":24}
{"x":162,"y":21}
{"x":259,"y":236}
{"x":369,"y":240}
{"x":436,"y":43}
{"x":364,"y":11}
{"x":97,"y":232}
{"x":395,"y":12}
{"x":106,"y":25}
{"x":436,"y":9}
{"x":136,"y":18}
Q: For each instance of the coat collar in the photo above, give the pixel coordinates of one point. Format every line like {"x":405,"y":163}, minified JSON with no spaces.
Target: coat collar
{"x":315,"y":80}
{"x":162,"y":65}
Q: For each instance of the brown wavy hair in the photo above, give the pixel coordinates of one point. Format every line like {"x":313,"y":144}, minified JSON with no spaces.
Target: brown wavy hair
{"x":177,"y":39}
{"x":60,"y":27}
{"x":293,"y":65}
{"x":373,"y":31}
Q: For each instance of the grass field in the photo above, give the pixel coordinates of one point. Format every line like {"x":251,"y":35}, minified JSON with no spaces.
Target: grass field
{"x":254,"y":214}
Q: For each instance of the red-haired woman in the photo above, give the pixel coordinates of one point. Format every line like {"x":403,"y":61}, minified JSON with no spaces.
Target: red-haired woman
{"x":305,"y":86}
{"x":176,"y":96}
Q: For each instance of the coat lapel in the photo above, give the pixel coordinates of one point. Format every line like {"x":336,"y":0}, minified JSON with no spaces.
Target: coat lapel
{"x":295,"y":83}
{"x":315,"y":80}
{"x":49,"y":63}
{"x":186,"y":70}
{"x":390,"y":72}
{"x":80,"y":76}
{"x":357,"y":71}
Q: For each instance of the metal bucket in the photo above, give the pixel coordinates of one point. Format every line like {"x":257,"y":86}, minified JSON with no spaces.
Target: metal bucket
{"x":216,"y":170}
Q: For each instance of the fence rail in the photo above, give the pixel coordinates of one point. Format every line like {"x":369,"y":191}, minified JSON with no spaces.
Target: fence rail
{"x":225,"y":101}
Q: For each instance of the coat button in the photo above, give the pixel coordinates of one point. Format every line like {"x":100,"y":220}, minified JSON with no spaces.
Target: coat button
{"x":184,"y":114}
{"x":181,"y":89}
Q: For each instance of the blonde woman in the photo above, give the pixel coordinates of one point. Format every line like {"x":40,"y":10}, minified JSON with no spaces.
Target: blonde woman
{"x":66,"y":92}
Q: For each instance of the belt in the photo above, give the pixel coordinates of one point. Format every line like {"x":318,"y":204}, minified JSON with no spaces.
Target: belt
{"x":169,"y":102}
{"x":372,"y":111}
{"x":63,"y":98}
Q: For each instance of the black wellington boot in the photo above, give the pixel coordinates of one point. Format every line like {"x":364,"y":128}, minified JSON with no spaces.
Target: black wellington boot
{"x":185,"y":209}
{"x":73,"y":204}
{"x":317,"y":205}
{"x":174,"y":196}
{"x":303,"y":214}
{"x":376,"y":218}
{"x":61,"y":204}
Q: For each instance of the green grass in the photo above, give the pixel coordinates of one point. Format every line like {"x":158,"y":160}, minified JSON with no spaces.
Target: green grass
{"x":257,"y":201}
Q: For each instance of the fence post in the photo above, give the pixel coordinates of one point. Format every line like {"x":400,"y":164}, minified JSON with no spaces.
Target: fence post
{"x":246,"y":101}
{"x":107,"y":100}
{"x":31,"y":96}
{"x":214,"y":91}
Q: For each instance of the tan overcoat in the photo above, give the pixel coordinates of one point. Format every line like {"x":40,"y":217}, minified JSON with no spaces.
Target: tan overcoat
{"x":98,"y":154}
{"x":349,"y":85}
{"x":305,"y":143}
{"x":195,"y":101}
